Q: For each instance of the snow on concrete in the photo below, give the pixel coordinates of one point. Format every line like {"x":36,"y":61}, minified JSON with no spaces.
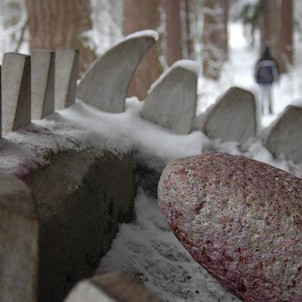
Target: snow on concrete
{"x":143,"y":33}
{"x":189,"y":65}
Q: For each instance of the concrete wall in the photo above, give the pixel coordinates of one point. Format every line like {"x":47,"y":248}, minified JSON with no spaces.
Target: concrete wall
{"x":80,"y":197}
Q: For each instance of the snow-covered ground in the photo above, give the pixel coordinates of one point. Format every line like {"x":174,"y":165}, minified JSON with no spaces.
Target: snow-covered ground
{"x":146,"y":248}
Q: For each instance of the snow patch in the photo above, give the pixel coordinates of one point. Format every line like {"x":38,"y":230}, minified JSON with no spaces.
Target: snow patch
{"x":142,"y":33}
{"x":189,"y":65}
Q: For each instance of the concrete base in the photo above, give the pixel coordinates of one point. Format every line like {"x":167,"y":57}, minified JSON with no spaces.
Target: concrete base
{"x":18,"y":242}
{"x":81,"y":197}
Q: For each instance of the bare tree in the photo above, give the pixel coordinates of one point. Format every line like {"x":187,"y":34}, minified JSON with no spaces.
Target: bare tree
{"x":140,"y":15}
{"x":58,"y":23}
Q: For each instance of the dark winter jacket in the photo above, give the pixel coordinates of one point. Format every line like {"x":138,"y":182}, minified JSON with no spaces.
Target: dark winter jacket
{"x":266,"y":70}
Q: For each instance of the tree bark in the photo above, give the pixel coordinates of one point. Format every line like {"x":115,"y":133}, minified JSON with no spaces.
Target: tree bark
{"x":286,"y":40}
{"x":188,"y":19}
{"x":214,"y":39}
{"x":58,"y":23}
{"x":173,"y":31}
{"x":141,"y":15}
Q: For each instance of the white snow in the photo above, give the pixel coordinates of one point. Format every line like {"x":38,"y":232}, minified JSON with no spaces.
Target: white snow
{"x":143,"y":33}
{"x":189,"y":65}
{"x":146,"y":247}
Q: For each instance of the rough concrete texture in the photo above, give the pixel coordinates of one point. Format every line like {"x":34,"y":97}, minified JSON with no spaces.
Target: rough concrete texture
{"x":106,"y":82}
{"x":284,"y":137}
{"x":43,"y":83}
{"x":18,"y":242}
{"x":241,"y":220}
{"x":234,"y":117}
{"x":16,"y":92}
{"x":81,"y":198}
{"x":172,"y":102}
{"x":66,"y":75}
{"x":110,"y":288}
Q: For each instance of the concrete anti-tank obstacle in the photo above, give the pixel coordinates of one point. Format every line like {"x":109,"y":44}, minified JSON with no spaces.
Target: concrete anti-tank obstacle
{"x":106,"y":82}
{"x":171,"y":102}
{"x":18,"y":242}
{"x":234,"y":117}
{"x":42,"y":81}
{"x":16,"y":92}
{"x":284,"y":136}
{"x":66,"y":74}
{"x":114,"y":287}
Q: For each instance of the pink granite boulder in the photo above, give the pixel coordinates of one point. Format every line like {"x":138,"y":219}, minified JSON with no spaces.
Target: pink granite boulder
{"x":241,"y":220}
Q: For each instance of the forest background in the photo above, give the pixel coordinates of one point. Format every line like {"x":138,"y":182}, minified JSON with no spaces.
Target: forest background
{"x":189,"y":29}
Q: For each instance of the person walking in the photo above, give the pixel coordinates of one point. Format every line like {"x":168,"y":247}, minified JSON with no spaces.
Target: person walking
{"x":266,"y":73}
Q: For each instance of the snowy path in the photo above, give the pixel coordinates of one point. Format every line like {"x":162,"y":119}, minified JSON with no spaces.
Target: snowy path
{"x":147,"y":249}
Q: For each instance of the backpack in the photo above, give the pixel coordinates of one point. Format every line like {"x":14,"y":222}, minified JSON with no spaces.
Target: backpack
{"x":266,"y":72}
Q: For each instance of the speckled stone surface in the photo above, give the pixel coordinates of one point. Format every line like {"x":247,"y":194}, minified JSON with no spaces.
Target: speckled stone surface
{"x":241,"y":220}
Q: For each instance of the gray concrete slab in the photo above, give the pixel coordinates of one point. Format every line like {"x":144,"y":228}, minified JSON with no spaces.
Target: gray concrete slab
{"x":172,"y":101}
{"x":66,"y":74}
{"x":18,"y":242}
{"x":42,"y":83}
{"x":114,"y":287}
{"x":234,"y":117}
{"x":284,"y":137}
{"x":106,"y":82}
{"x":16,"y":92}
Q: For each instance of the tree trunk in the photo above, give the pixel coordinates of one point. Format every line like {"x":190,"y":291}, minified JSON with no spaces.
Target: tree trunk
{"x":286,"y":40}
{"x":58,"y":23}
{"x":271,"y":25}
{"x":173,"y":31}
{"x":141,"y":15}
{"x":214,"y":39}
{"x":189,"y":38}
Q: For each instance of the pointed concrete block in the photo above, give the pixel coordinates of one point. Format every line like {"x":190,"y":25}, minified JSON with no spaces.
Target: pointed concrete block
{"x":66,"y":74}
{"x":285,"y":134}
{"x":172,"y":101}
{"x":18,"y":242}
{"x":234,"y":117}
{"x":115,"y":287}
{"x":106,"y":82}
{"x":16,"y":92}
{"x":42,"y":83}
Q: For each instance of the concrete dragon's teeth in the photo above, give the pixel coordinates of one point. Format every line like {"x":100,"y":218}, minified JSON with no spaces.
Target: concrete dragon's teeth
{"x":241,"y":220}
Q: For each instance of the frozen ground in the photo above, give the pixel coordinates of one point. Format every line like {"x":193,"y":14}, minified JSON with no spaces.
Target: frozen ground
{"x":146,"y":248}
